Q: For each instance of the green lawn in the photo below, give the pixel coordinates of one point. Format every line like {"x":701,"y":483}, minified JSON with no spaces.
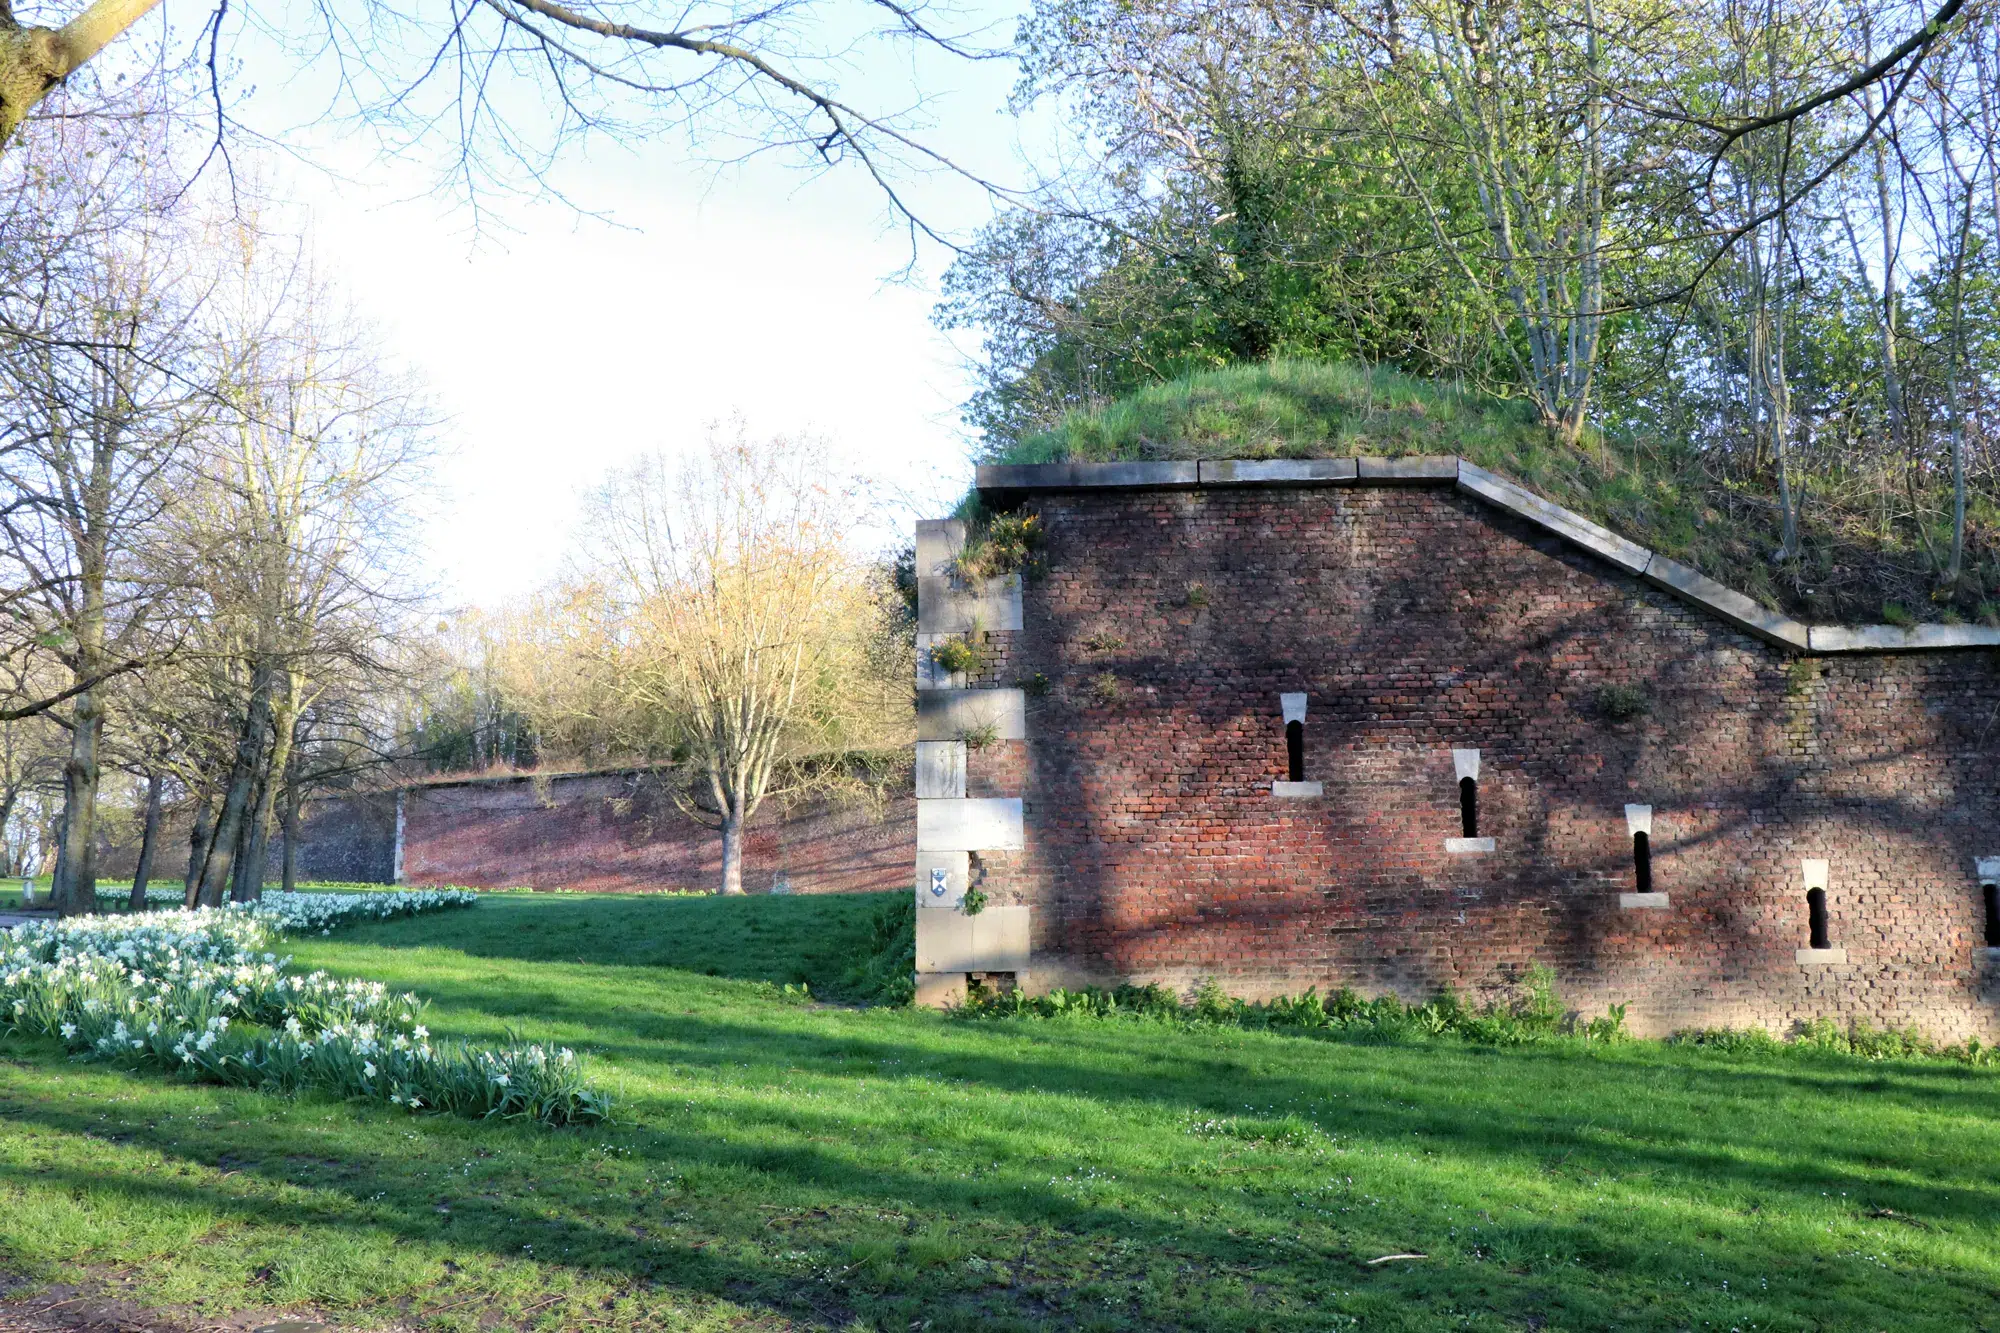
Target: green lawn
{"x":777,"y":1164}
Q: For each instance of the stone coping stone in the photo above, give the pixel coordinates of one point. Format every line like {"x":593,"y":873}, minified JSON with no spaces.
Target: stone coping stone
{"x":1498,"y":491}
{"x":1468,"y":846}
{"x":1654,"y":902}
{"x":1083,"y":476}
{"x":1820,"y":957}
{"x":1987,"y":868}
{"x":1692,"y":585}
{"x":1008,"y":480}
{"x":1297,"y":791}
{"x":1420,"y":468}
{"x":1895,"y":638}
{"x":1279,"y":472}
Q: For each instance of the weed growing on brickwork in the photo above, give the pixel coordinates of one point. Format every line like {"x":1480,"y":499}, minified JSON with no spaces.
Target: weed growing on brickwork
{"x":1622,"y":703}
{"x":789,"y":1163}
{"x":1104,"y":689}
{"x":956,"y":655}
{"x":1035,"y":686}
{"x":981,"y":736}
{"x":1197,"y":595}
{"x":1103,"y":643}
{"x":998,"y":545}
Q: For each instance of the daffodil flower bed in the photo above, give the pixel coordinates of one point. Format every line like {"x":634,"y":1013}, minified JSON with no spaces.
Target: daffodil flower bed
{"x":203,"y":994}
{"x":308,"y":913}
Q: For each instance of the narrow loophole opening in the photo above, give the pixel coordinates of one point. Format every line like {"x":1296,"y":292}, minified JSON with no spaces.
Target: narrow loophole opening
{"x":1991,"y":891}
{"x":1468,"y":806}
{"x":1642,"y":862}
{"x":1816,"y":912}
{"x":1295,"y":751}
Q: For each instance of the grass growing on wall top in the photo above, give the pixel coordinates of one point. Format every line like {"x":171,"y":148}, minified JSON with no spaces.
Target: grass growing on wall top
{"x":1649,"y":491}
{"x":782,"y":1165}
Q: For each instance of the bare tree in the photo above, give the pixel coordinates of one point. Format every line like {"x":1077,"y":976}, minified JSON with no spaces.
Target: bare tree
{"x":742,"y":648}
{"x":96,"y":336}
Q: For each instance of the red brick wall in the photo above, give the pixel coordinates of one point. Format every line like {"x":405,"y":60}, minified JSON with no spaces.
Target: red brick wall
{"x":1418,"y":619}
{"x":618,"y":832}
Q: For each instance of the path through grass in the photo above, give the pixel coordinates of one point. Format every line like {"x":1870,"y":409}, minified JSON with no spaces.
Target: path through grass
{"x":782,"y":1165}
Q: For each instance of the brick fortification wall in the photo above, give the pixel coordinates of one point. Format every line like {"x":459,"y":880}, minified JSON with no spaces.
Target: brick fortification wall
{"x":612,"y":832}
{"x":1418,"y":619}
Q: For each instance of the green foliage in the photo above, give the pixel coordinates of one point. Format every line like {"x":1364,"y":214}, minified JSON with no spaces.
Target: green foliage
{"x":1001,"y":544}
{"x":1035,"y":686}
{"x":885,"y":971}
{"x":981,"y":736}
{"x":1895,"y":613}
{"x":1197,"y":595}
{"x":974,"y":901}
{"x":1104,"y":689}
{"x":1621,"y":703}
{"x":956,"y":655}
{"x":1536,"y":1013}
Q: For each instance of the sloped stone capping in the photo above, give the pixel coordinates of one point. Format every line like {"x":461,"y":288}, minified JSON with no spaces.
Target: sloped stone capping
{"x":1438,"y":609}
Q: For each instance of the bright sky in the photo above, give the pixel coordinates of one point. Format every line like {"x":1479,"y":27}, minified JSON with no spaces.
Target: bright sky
{"x":559,"y":345}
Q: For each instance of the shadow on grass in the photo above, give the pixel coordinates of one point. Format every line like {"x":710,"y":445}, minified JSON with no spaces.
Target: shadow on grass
{"x":1433,"y":1124}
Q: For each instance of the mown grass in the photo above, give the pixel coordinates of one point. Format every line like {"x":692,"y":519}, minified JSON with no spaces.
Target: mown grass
{"x":781,"y":1164}
{"x":1664,"y":497}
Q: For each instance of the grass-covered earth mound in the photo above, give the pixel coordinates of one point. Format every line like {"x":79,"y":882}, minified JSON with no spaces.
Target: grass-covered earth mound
{"x":1861,"y":562}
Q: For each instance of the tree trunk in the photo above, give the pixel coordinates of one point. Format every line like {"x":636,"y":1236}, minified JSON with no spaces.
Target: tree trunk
{"x":200,"y":840}
{"x":247,"y":884}
{"x":6,"y":813}
{"x":291,"y":833}
{"x":732,"y":851}
{"x":148,"y":839}
{"x":216,"y":875}
{"x":75,"y":889}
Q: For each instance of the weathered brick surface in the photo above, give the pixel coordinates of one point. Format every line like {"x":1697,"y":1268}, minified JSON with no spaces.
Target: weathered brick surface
{"x":1418,"y":619}
{"x":616,"y":832}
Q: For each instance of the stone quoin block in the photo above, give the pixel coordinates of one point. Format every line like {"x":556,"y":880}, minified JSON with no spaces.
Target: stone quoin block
{"x":1468,"y":846}
{"x":944,"y":606}
{"x":953,"y":715}
{"x":1644,"y":902}
{"x":1297,"y":791}
{"x":994,"y":940}
{"x":942,"y":877}
{"x":940,"y":770}
{"x":978,"y":824}
{"x":940,"y":541}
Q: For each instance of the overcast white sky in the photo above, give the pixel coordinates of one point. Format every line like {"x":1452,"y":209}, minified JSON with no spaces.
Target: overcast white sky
{"x":558,"y":345}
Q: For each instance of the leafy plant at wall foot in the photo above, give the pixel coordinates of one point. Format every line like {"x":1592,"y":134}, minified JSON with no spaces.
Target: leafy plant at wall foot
{"x":1534,"y":1014}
